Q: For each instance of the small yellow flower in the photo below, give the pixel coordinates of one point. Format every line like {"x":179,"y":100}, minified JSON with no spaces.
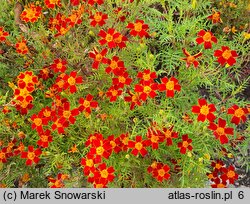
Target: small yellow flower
{"x":233,"y":30}
{"x":201,"y":159}
{"x":207,"y":156}
{"x":246,"y":36}
{"x":189,"y":154}
{"x":127,"y":156}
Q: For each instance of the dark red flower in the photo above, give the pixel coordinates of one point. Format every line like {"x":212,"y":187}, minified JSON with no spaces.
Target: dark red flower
{"x":185,"y":144}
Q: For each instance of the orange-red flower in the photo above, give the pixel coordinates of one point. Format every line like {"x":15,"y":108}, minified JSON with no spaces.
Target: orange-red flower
{"x":169,"y":85}
{"x":239,"y":114}
{"x":71,"y":80}
{"x":115,"y":143}
{"x":206,"y":37}
{"x":221,"y":131}
{"x":146,"y":89}
{"x":155,"y":137}
{"x":99,"y":57}
{"x":113,"y":92}
{"x":120,"y":40}
{"x":104,"y":174}
{"x":226,"y":55}
{"x":161,"y":172}
{"x":50,"y":4}
{"x":65,"y":112}
{"x":98,"y":18}
{"x":108,"y":37}
{"x":32,"y":155}
{"x":91,"y":138}
{"x":21,"y":47}
{"x":101,"y":148}
{"x":59,"y":65}
{"x":31,"y":13}
{"x":38,"y":122}
{"x":138,"y":28}
{"x":92,"y":2}
{"x":45,"y":138}
{"x":122,"y":80}
{"x":58,"y":182}
{"x":134,"y":99}
{"x":191,"y":59}
{"x":59,"y":124}
{"x":147,"y":75}
{"x":138,"y":146}
{"x":88,"y":164}
{"x":215,"y":17}
{"x":185,"y":144}
{"x":27,"y":80}
{"x":204,"y":110}
{"x":3,"y":34}
{"x":87,"y":104}
{"x":3,"y":155}
{"x":168,"y":135}
{"x":116,"y":66}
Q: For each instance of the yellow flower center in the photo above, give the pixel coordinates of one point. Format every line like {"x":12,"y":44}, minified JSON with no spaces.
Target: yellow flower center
{"x":217,"y":166}
{"x":138,"y":26}
{"x":154,"y":138}
{"x":89,"y":163}
{"x":99,"y":185}
{"x":226,"y":54}
{"x":31,"y":155}
{"x":220,"y":131}
{"x":185,"y":144}
{"x":47,"y":113}
{"x":113,"y":64}
{"x":207,"y":37}
{"x":118,"y":39}
{"x":44,"y":138}
{"x":109,"y":38}
{"x":104,"y":173}
{"x":168,"y":134}
{"x":170,"y":85}
{"x":71,"y":81}
{"x":98,"y":57}
{"x":97,"y":17}
{"x":58,"y":184}
{"x":122,"y":79}
{"x":113,"y":144}
{"x":114,"y":92}
{"x":38,"y":121}
{"x":59,"y":65}
{"x":2,"y":155}
{"x":239,"y":112}
{"x":190,"y":59}
{"x":60,"y":83}
{"x":204,"y":110}
{"x":146,"y":77}
{"x":138,"y":146}
{"x":86,"y":103}
{"x":66,"y":114}
{"x":230,"y":174}
{"x":147,"y":89}
{"x":161,"y":172}
{"x":216,"y":16}
{"x":22,"y":46}
{"x":30,"y":13}
{"x":99,"y":150}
